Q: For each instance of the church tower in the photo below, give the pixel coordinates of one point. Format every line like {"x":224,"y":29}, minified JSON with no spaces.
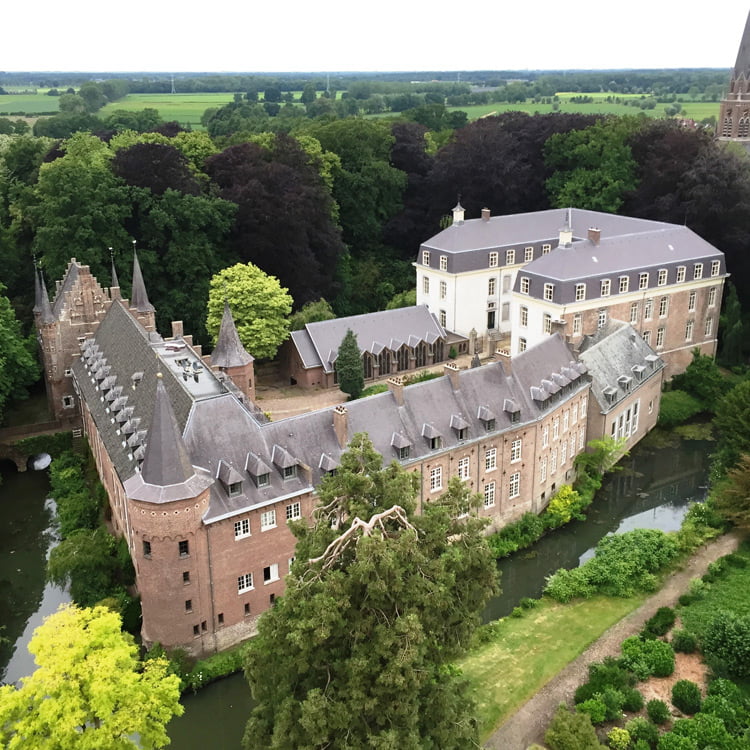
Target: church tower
{"x":734,"y":114}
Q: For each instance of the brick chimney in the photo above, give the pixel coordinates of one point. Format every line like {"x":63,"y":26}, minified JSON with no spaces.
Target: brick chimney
{"x":396,"y":387}
{"x":452,"y":371}
{"x":177,"y":330}
{"x":485,"y":214}
{"x":595,"y":235}
{"x":340,"y":424}
{"x":503,"y":357}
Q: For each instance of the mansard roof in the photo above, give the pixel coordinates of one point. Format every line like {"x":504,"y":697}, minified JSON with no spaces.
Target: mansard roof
{"x":229,"y":351}
{"x":318,"y":343}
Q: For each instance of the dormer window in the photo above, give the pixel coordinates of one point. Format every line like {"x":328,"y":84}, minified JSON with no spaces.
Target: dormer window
{"x":487,"y":417}
{"x":234,"y":489}
{"x":443,"y":262}
{"x":460,"y":425}
{"x":290,"y":472}
{"x":624,"y":381}
{"x":425,"y":257}
{"x":401,"y":445}
{"x":610,"y":394}
{"x":263,"y":480}
{"x":638,"y":371}
{"x":403,"y":453}
{"x":489,"y":425}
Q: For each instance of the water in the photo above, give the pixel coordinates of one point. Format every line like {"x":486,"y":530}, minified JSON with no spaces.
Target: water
{"x":654,"y":490}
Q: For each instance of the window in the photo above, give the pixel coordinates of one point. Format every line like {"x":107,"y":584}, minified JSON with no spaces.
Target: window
{"x":293,"y":511}
{"x":186,"y":576}
{"x":577,"y":323}
{"x":263,"y":480}
{"x":525,"y":285}
{"x":691,"y":302}
{"x":515,"y":451}
{"x":584,"y":404}
{"x":245,"y":583}
{"x":549,"y":291}
{"x":196,"y":630}
{"x":528,"y":254}
{"x":605,"y":288}
{"x":543,"y":470}
{"x":634,"y":312}
{"x":489,"y":425}
{"x":184,"y":548}
{"x":462,"y":433}
{"x":443,"y":318}
{"x":553,"y":462}
{"x":268,"y":520}
{"x":648,"y":309}
{"x":715,"y":266}
{"x":698,"y":271}
{"x":443,"y":262}
{"x":146,"y":549}
{"x":68,"y":402}
{"x":659,"y":337}
{"x":556,"y":428}
{"x":514,"y":485}
{"x":188,"y":605}
{"x":563,"y":453}
{"x":463,"y":468}
{"x":521,"y":345}
{"x":436,"y":479}
{"x":435,"y":443}
{"x":490,"y":459}
{"x":510,"y":257}
{"x":566,"y":420}
{"x":712,"y":296}
{"x":290,"y":471}
{"x":647,"y":337}
{"x":426,"y":284}
{"x":708,"y":327}
{"x":634,"y":419}
{"x":493,"y":260}
{"x":643,"y":281}
{"x":247,"y":608}
{"x":574,"y":414}
{"x":545,"y":436}
{"x":242,"y":528}
{"x":489,"y":495}
{"x":601,"y":320}
{"x":271,"y":573}
{"x":662,"y":279}
{"x":624,"y":284}
{"x":443,"y":290}
{"x":425,"y":257}
{"x":546,"y":249}
{"x":547,"y":323}
{"x":68,"y":373}
{"x":524,"y":316}
{"x":580,"y":439}
{"x":680,"y":274}
{"x":220,"y":618}
{"x":580,"y":292}
{"x":403,"y":453}
{"x":663,"y":307}
{"x":492,"y":286}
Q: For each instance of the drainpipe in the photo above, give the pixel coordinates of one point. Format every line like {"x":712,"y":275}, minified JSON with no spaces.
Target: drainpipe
{"x":211,"y":587}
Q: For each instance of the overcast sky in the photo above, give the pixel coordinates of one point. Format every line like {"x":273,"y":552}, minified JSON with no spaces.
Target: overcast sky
{"x":345,"y":35}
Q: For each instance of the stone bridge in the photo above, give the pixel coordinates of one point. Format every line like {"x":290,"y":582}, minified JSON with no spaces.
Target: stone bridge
{"x":11,"y":436}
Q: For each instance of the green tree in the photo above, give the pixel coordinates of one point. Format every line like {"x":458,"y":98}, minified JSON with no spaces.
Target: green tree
{"x":380,"y":602}
{"x":311,"y":313}
{"x":731,"y":421}
{"x":348,"y":366}
{"x":402,"y":299}
{"x":18,"y":365}
{"x":731,"y":496}
{"x":570,"y":730}
{"x":308,"y":94}
{"x":260,"y":306}
{"x":702,"y":379}
{"x":90,"y":690}
{"x":72,"y":104}
{"x":732,"y":332}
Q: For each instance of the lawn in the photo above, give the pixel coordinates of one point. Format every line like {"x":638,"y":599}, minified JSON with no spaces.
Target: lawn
{"x":529,"y":651}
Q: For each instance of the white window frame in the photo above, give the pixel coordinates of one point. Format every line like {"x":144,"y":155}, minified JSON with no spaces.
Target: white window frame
{"x":425,"y":284}
{"x":268,"y":519}
{"x":681,"y":270}
{"x":546,"y":323}
{"x":545,"y":436}
{"x":491,"y":286}
{"x":490,"y":459}
{"x":605,"y":288}
{"x":648,"y":309}
{"x":294,"y":511}
{"x":563,"y":452}
{"x":624,"y":284}
{"x":546,"y":248}
{"x":549,"y":292}
{"x":242,"y":528}
{"x":528,"y":254}
{"x":443,"y":318}
{"x":273,"y":573}
{"x":436,"y":478}
{"x":464,"y":468}
{"x":715,"y":267}
{"x":425,"y":257}
{"x":660,"y":334}
{"x":662,"y":278}
{"x":443,"y":289}
{"x":664,"y":307}
{"x":514,"y":485}
{"x":601,"y":320}
{"x":574,"y":414}
{"x":566,"y":420}
{"x":577,"y":320}
{"x":525,"y":285}
{"x":515,"y":450}
{"x":698,"y":271}
{"x":634,"y":312}
{"x":489,"y":495}
{"x":523,"y":316}
{"x":510,"y":257}
{"x":556,"y":428}
{"x":553,"y":462}
{"x":712,"y":296}
{"x":493,"y":259}
{"x":708,"y":327}
{"x":443,"y":262}
{"x":643,"y":280}
{"x":245,"y":583}
{"x":522,"y":345}
{"x":580,"y":292}
{"x":543,"y":470}
{"x":691,"y":300}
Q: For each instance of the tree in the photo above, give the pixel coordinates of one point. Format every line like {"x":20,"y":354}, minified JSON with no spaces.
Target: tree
{"x":308,"y":94}
{"x":259,"y":304}
{"x":380,"y":602}
{"x":731,"y":421}
{"x":90,"y":689}
{"x":348,"y":366}
{"x":155,"y":166}
{"x":731,"y":496}
{"x":702,"y":379}
{"x":732,"y":330}
{"x":311,"y":313}
{"x":571,"y":730}
{"x":18,"y":365}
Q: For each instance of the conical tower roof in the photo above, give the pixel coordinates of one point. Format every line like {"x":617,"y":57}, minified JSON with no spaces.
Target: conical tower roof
{"x":139,"y":297}
{"x":115,"y":280}
{"x":742,"y":65}
{"x":37,"y":291}
{"x":47,"y":315}
{"x":229,"y":351}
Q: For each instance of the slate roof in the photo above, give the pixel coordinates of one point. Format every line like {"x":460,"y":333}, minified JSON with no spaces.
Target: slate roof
{"x":229,"y":351}
{"x":318,"y":344}
{"x":618,"y":360}
{"x":67,"y":284}
{"x":139,"y":296}
{"x":742,"y":64}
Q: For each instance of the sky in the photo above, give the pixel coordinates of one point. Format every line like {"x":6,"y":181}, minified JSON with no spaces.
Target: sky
{"x":387,"y":35}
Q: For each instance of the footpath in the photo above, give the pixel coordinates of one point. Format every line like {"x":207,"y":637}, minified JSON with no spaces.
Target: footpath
{"x":529,"y":723}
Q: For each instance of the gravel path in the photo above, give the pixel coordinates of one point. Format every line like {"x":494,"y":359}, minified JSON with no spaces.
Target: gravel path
{"x":529,"y":723}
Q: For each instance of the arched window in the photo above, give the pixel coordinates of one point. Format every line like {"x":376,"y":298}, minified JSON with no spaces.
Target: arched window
{"x":367,"y":365}
{"x":402,"y":358}
{"x":438,"y":349}
{"x":421,"y":352}
{"x":726,"y":129}
{"x":743,"y":128}
{"x":384,"y":362}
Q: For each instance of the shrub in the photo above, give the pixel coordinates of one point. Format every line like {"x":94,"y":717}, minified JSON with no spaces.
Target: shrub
{"x":632,"y":700}
{"x":686,"y":600}
{"x":727,"y":640}
{"x":705,"y":731}
{"x":660,"y":623}
{"x":647,"y":657}
{"x":595,"y":709}
{"x":677,"y":407}
{"x":571,"y":731}
{"x":736,"y":561}
{"x":642,"y":729}
{"x":684,"y":642}
{"x":517,"y":535}
{"x":565,"y":505}
{"x":528,"y":603}
{"x":734,"y":718}
{"x":618,"y":739}
{"x":657,"y":711}
{"x":613,"y":700}
{"x":517,"y":612}
{"x":686,"y":696}
{"x":671,"y":741}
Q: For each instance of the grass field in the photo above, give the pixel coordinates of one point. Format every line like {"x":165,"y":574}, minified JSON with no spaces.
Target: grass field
{"x":504,"y":674}
{"x":30,"y":103}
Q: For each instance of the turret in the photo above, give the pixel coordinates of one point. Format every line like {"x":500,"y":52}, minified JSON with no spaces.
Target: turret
{"x":231,"y":357}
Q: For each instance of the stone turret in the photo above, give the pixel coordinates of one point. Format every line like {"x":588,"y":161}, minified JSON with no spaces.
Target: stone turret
{"x":231,"y":357}
{"x":140,"y":306}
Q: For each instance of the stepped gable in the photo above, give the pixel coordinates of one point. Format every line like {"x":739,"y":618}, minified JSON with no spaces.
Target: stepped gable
{"x":229,"y":351}
{"x":130,"y":355}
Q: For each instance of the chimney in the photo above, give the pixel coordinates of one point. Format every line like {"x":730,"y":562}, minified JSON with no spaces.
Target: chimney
{"x":485,"y":214}
{"x":458,"y":214}
{"x":396,"y":387}
{"x":557,"y":326}
{"x":452,"y":371}
{"x":340,"y":424}
{"x":177,"y":329}
{"x":595,"y":234}
{"x":503,"y":356}
{"x":566,"y":233}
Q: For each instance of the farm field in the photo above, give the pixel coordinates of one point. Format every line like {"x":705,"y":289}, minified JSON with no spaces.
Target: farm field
{"x":184,"y":108}
{"x":33,"y":104}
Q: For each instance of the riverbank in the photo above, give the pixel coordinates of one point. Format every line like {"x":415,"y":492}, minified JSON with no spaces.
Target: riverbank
{"x":528,"y":724}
